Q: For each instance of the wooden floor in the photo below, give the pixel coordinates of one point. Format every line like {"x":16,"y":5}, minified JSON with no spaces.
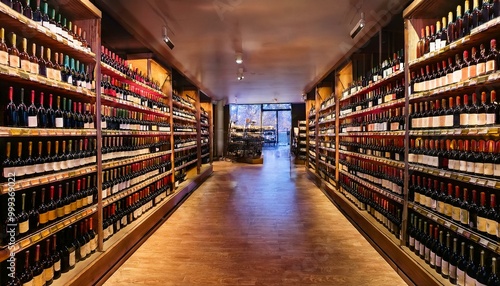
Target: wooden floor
{"x":256,"y":225}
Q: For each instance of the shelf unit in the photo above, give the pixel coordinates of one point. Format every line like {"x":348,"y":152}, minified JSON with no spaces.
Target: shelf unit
{"x":301,"y":138}
{"x":159,"y":172}
{"x":377,"y":157}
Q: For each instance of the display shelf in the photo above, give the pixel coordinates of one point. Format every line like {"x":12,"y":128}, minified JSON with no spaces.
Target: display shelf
{"x":185,"y":165}
{"x":326,"y":135}
{"x":115,"y":102}
{"x":327,"y":149}
{"x":44,"y":132}
{"x":380,"y":107}
{"x":115,"y":197}
{"x":458,"y":88}
{"x":478,"y":35}
{"x":375,"y":159}
{"x":181,"y":105}
{"x":185,"y":148}
{"x":458,"y":176}
{"x":11,"y":20}
{"x":325,"y":108}
{"x":327,"y":164}
{"x":456,"y":228}
{"x":374,"y":85}
{"x":205,"y":155}
{"x":108,"y":70}
{"x":186,"y":133}
{"x":480,"y":131}
{"x":176,"y":117}
{"x":327,"y":121}
{"x":373,"y":187}
{"x":49,"y":230}
{"x":134,"y":159}
{"x":46,"y":179}
{"x":379,"y":133}
{"x":16,"y":75}
{"x":134,"y":133}
{"x":204,"y":125}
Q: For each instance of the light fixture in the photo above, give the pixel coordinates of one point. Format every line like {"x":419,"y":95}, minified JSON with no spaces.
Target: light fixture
{"x":239,"y":58}
{"x":166,"y":39}
{"x":359,"y":26}
{"x":240,"y":74}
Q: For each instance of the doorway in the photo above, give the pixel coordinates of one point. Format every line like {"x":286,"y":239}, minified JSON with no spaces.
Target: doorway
{"x":276,"y":124}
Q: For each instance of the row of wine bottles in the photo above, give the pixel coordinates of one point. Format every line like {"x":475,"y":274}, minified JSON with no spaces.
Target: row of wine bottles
{"x":187,"y":128}
{"x":48,"y":205}
{"x":181,"y":100}
{"x":184,"y":113}
{"x":75,"y":154}
{"x":476,"y":157}
{"x":385,"y":211}
{"x":114,"y":147}
{"x":123,"y":119}
{"x":456,"y":28}
{"x":123,"y":212}
{"x":61,"y":252}
{"x":184,"y":158}
{"x":481,"y":111}
{"x":458,"y":205}
{"x":466,"y":266}
{"x":62,"y":68}
{"x":121,"y":178}
{"x":375,"y":97}
{"x":389,"y":120}
{"x":457,"y":70}
{"x":135,"y":94}
{"x":113,"y":60}
{"x":389,"y":148}
{"x":70,"y":116}
{"x":182,"y":143}
{"x":387,"y":177}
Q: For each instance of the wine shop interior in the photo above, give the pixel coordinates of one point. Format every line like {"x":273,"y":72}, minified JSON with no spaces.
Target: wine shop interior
{"x":232,"y":142}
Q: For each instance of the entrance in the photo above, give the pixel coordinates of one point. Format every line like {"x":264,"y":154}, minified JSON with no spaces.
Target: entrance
{"x":276,"y":124}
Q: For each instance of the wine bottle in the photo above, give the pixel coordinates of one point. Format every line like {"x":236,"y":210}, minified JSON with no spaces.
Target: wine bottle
{"x":26,"y":276}
{"x":482,"y":274}
{"x":462,"y":266}
{"x":23,"y":217}
{"x":24,"y":57}
{"x":454,"y":259}
{"x":60,"y":203}
{"x":491,"y":219}
{"x":93,"y":236}
{"x":11,"y":113}
{"x":470,"y":275}
{"x":37,"y":269}
{"x":34,"y":217}
{"x":56,"y":258}
{"x":482,"y":215}
{"x":51,"y":206}
{"x":34,"y":68}
{"x":37,"y":14}
{"x":18,"y":165}
{"x":50,"y":114}
{"x":58,"y":114}
{"x":493,"y":279}
{"x":32,"y":112}
{"x":29,"y":162}
{"x":48,"y":264}
{"x":43,"y":212}
{"x":439,"y":253}
{"x":42,"y":114}
{"x":4,"y":51}
{"x":14,"y":53}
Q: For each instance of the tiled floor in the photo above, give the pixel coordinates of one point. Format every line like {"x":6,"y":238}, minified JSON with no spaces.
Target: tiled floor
{"x":256,"y":225}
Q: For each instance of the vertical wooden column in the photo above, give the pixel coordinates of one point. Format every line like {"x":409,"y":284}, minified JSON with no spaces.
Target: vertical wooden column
{"x":404,"y":218}
{"x":197,"y":105}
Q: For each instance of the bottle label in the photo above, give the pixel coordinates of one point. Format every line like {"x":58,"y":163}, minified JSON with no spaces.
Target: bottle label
{"x":440,"y":207}
{"x":432,"y":46}
{"x":67,"y":209}
{"x":473,"y":119}
{"x":49,"y":273}
{"x":52,"y":215}
{"x":412,"y":241}
{"x":496,"y":170}
{"x":491,"y":66}
{"x":60,"y":212}
{"x":460,"y":277}
{"x":455,"y":213}
{"x":43,"y":218}
{"x":481,"y":68}
{"x":481,"y":224}
{"x":24,"y":226}
{"x":432,"y":260}
{"x":479,"y":168}
{"x":448,"y":210}
{"x":39,"y":168}
{"x":452,"y":164}
{"x":481,"y":119}
{"x":457,"y":76}
{"x":72,"y":258}
{"x":470,"y":167}
{"x":82,"y":251}
{"x":438,"y":261}
{"x":450,"y":77}
{"x":491,"y":227}
{"x":464,"y":119}
{"x":433,"y":204}
{"x":93,"y":244}
{"x":417,"y":198}
{"x":90,"y":199}
{"x":34,"y":69}
{"x":4,"y":58}
{"x":488,"y":169}
{"x":452,"y":271}
{"x":469,"y":281}
{"x":464,"y":216}
{"x":56,"y":166}
{"x":448,"y":121}
{"x":445,"y":267}
{"x":26,"y":65}
{"x":39,"y":280}
{"x":436,"y":121}
{"x":47,"y":167}
{"x":491,"y":118}
{"x":472,"y":72}
{"x":14,"y":61}
{"x":32,"y":121}
{"x":57,"y":265}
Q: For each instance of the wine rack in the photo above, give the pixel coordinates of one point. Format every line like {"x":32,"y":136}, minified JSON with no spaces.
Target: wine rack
{"x":99,"y":142}
{"x":417,"y":158}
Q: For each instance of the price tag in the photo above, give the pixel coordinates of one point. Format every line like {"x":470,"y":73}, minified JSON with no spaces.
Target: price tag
{"x":460,"y":231}
{"x":491,"y":184}
{"x":53,"y":229}
{"x":25,"y":242}
{"x":45,"y":233}
{"x":454,"y":228}
{"x":483,"y":242}
{"x":440,"y":221}
{"x":481,"y":182}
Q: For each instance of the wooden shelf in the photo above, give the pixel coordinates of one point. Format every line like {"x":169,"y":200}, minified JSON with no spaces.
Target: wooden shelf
{"x":133,"y":159}
{"x":186,"y":165}
{"x":458,"y":176}
{"x":134,"y":133}
{"x":377,"y":133}
{"x":47,"y":179}
{"x":327,"y":149}
{"x":394,"y":76}
{"x":380,"y":107}
{"x":176,"y":117}
{"x":48,"y":231}
{"x":456,"y":228}
{"x":108,"y":70}
{"x":458,"y":88}
{"x":181,"y":105}
{"x":476,"y":131}
{"x":375,"y":159}
{"x":115,"y":197}
{"x":185,"y":133}
{"x":115,"y":102}
{"x":44,"y":132}
{"x":327,"y":107}
{"x":327,"y":121}
{"x":16,"y":75}
{"x":393,"y":196}
{"x":326,"y":164}
{"x":185,"y":148}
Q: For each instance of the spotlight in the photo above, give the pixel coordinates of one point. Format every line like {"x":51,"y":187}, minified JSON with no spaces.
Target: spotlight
{"x":359,"y":26}
{"x":166,"y":39}
{"x":240,"y":74}
{"x":239,"y":58}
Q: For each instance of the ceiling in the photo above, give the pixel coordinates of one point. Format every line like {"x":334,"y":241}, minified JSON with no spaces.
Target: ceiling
{"x":288,"y":46}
